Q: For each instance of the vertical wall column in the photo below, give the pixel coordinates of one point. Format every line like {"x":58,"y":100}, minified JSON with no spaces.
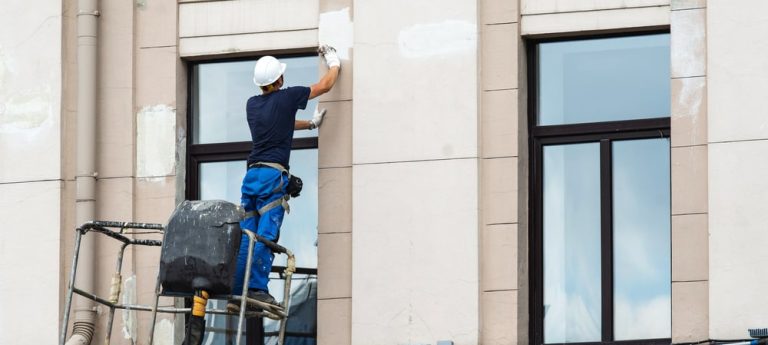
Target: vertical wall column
{"x":690,"y":236}
{"x":499,"y":177}
{"x":737,"y":137}
{"x":159,"y":118}
{"x":115,"y":142}
{"x":334,"y":291}
{"x":415,"y":272}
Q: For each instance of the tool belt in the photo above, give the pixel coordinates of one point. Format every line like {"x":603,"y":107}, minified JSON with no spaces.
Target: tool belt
{"x":293,"y":189}
{"x":294,"y":186}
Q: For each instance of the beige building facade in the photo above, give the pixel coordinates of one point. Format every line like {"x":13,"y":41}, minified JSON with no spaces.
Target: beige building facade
{"x":425,"y":180}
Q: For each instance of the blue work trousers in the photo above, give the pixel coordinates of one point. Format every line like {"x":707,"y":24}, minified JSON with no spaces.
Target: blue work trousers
{"x":261,"y":185}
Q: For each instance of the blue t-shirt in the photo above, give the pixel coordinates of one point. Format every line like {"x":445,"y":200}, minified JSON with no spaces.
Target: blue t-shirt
{"x":271,"y":119}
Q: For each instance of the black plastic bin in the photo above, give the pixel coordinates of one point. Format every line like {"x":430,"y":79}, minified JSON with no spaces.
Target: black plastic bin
{"x":200,"y":248}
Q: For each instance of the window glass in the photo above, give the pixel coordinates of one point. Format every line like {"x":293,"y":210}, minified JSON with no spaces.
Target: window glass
{"x":302,"y":325}
{"x":221,"y":329}
{"x":608,"y":79}
{"x":641,"y":237}
{"x":572,"y":267}
{"x":222,"y":180}
{"x":299,"y":230}
{"x":221,"y":90}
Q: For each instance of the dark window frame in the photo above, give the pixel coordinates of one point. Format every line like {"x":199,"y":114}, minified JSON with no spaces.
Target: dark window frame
{"x":234,"y":151}
{"x":225,"y":152}
{"x":604,"y":133}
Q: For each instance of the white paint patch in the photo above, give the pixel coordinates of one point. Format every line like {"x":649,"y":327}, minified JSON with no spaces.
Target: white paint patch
{"x":163,"y":332}
{"x":687,"y":47}
{"x":335,"y":29}
{"x":437,"y":39}
{"x":130,"y":323}
{"x":156,"y":141}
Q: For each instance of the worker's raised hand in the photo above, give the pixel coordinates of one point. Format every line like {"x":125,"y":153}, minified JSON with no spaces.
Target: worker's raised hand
{"x":329,"y":54}
{"x":317,"y":119}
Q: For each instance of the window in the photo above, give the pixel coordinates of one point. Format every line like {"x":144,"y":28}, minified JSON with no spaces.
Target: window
{"x":219,"y":145}
{"x":600,"y":202}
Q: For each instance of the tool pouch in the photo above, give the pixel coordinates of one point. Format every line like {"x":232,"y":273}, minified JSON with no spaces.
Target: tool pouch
{"x":294,"y":186}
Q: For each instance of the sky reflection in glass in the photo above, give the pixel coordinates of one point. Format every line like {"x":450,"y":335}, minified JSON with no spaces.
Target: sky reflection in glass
{"x":222,"y":181}
{"x":641,"y":239}
{"x":572,"y":274}
{"x":609,"y":79}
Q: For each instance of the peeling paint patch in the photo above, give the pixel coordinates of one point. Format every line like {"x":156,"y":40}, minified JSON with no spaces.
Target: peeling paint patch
{"x":446,"y":38}
{"x":21,"y":110}
{"x":691,"y":96}
{"x":160,"y":179}
{"x":25,"y":111}
{"x":156,"y":141}
{"x":3,"y":67}
{"x":130,"y":322}
{"x":335,"y":29}
{"x":163,"y":332}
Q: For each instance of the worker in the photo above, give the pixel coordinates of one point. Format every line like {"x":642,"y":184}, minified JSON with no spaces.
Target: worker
{"x":272,"y":120}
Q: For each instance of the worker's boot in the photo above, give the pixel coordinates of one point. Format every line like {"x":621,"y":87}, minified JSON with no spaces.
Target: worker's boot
{"x":261,"y":296}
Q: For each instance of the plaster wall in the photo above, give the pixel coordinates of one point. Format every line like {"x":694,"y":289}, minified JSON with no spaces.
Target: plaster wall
{"x":415,"y":276}
{"x":29,"y":262}
{"x":241,"y":27}
{"x":30,"y":87}
{"x":31,"y":179}
{"x":415,"y":269}
{"x":738,"y":140}
{"x":417,"y":75}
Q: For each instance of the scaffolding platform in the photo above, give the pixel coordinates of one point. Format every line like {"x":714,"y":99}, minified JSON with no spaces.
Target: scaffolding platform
{"x":120,"y":231}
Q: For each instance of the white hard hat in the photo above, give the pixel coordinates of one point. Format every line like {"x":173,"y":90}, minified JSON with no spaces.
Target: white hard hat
{"x":267,"y":71}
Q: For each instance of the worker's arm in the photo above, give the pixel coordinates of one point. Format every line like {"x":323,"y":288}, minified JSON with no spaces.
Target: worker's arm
{"x":329,"y":79}
{"x":300,"y":125}
{"x":325,"y":84}
{"x":317,"y":119}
